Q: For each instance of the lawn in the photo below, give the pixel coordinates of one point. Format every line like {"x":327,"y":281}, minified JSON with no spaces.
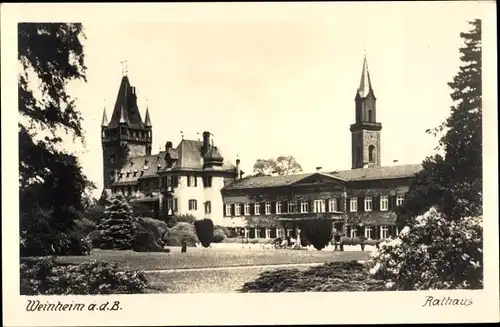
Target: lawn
{"x":212,"y":258}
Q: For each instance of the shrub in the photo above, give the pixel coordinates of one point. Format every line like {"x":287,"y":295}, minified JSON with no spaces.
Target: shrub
{"x":187,"y":218}
{"x":144,"y":241}
{"x":156,"y":227}
{"x":117,"y":227}
{"x":95,"y":213}
{"x":433,"y":254}
{"x":85,"y":225}
{"x":317,"y":231}
{"x":357,"y":241}
{"x":141,"y":210}
{"x":331,"y":277}
{"x":45,"y":277}
{"x":182,"y":232}
{"x":205,"y":231}
{"x":95,"y":238}
{"x":219,"y":236}
{"x":226,"y":231}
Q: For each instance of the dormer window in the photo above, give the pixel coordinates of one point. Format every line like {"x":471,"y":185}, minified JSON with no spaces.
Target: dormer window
{"x":128,"y":173}
{"x":142,"y":172}
{"x":135,"y":173}
{"x":121,"y":175}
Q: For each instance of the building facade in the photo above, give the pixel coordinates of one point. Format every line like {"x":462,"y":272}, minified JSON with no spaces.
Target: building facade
{"x":186,"y":179}
{"x":360,"y":201}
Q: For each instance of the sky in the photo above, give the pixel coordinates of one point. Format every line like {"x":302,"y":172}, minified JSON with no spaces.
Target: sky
{"x":278,"y":83}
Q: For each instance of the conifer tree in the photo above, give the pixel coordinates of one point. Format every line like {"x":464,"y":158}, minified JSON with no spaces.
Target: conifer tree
{"x":453,"y":181}
{"x":117,"y":226}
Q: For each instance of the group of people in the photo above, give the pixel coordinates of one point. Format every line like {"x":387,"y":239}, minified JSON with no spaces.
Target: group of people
{"x":283,"y":243}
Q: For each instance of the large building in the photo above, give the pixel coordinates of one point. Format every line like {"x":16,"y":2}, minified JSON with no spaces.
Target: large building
{"x":359,"y":201}
{"x":194,"y":178}
{"x":186,"y":179}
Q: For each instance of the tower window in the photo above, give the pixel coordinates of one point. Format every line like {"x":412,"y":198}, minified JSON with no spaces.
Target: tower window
{"x":371,"y":154}
{"x":370,"y":116}
{"x":112,"y":158}
{"x":123,"y":131}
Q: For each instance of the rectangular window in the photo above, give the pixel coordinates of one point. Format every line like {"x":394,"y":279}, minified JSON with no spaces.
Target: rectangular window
{"x":237,"y":209}
{"x":228,"y":210}
{"x":278,"y":232}
{"x":268,"y":208}
{"x":256,"y":208}
{"x":291,"y":207}
{"x":384,"y":232}
{"x":169,"y":181}
{"x":368,"y":203}
{"x":246,"y":209}
{"x":400,"y":200}
{"x":304,"y":207}
{"x":192,"y":181}
{"x":384,"y":203}
{"x":332,"y":205}
{"x":257,"y":232}
{"x":170,"y":206}
{"x":354,"y":232}
{"x":208,"y":207}
{"x":268,"y":232}
{"x":354,"y":204}
{"x":193,"y":205}
{"x":246,"y":233}
{"x":207,"y":181}
{"x":368,"y":232}
{"x":278,"y":207}
{"x":319,"y":205}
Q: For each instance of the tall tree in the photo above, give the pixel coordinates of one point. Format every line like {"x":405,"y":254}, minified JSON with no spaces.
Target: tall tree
{"x":283,"y":165}
{"x":51,"y":55}
{"x":454,"y":180}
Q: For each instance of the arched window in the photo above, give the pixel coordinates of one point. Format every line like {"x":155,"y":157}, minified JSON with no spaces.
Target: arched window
{"x":371,"y":153}
{"x":370,"y":115}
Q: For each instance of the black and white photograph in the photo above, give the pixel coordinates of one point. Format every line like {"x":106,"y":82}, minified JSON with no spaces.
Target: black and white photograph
{"x":208,"y":149}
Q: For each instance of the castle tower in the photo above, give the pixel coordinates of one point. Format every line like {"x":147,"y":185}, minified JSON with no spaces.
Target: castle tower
{"x":126,"y":135}
{"x":365,"y":132}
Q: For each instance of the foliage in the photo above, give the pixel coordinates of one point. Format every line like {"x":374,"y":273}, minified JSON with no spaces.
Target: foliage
{"x":348,"y":276}
{"x":219,"y":236}
{"x":50,"y":180}
{"x":182,"y":232}
{"x":185,"y":218}
{"x":317,"y":231}
{"x":436,"y":253}
{"x":149,"y":235}
{"x":95,"y":238}
{"x":45,"y":277}
{"x":453,"y":181}
{"x":357,"y":241}
{"x":38,"y":237}
{"x":117,"y":227}
{"x":85,"y":225}
{"x":261,"y":221}
{"x":141,"y":210}
{"x":205,"y":231}
{"x":225,"y":230}
{"x":95,"y":213}
{"x":283,"y":165}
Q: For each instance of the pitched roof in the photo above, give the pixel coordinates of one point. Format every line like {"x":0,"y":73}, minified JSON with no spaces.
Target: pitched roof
{"x":147,"y":120}
{"x":388,"y":172}
{"x":365,"y":84}
{"x":104,"y":122}
{"x":273,"y":181}
{"x":126,"y":109}
{"x":189,"y":158}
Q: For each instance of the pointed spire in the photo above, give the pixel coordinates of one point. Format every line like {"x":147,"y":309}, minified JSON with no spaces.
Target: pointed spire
{"x":365,"y":85}
{"x":147,"y":120}
{"x":122,"y":116}
{"x":104,"y":118}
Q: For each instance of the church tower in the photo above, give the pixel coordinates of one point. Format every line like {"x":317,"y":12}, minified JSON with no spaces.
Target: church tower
{"x":126,"y":135}
{"x":365,"y":132}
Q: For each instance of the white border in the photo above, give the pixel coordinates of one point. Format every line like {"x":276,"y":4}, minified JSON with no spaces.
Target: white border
{"x":236,"y":309}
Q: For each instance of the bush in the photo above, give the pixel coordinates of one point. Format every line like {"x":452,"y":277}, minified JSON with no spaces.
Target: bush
{"x":156,"y":227}
{"x":187,"y":218}
{"x":318,"y":232}
{"x":331,"y":277}
{"x":45,"y":277}
{"x":357,"y":241}
{"x":182,"y":232}
{"x":144,"y":241}
{"x":205,"y":231}
{"x":117,"y":227}
{"x":85,"y":225}
{"x":433,"y":254}
{"x":219,"y":236}
{"x":95,"y":213}
{"x":226,"y":231}
{"x":95,"y":238}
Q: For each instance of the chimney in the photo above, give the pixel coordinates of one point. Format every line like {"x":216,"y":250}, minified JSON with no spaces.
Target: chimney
{"x":238,"y":169}
{"x":206,"y":141}
{"x":318,"y":168}
{"x":395,"y":161}
{"x":168,"y":145}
